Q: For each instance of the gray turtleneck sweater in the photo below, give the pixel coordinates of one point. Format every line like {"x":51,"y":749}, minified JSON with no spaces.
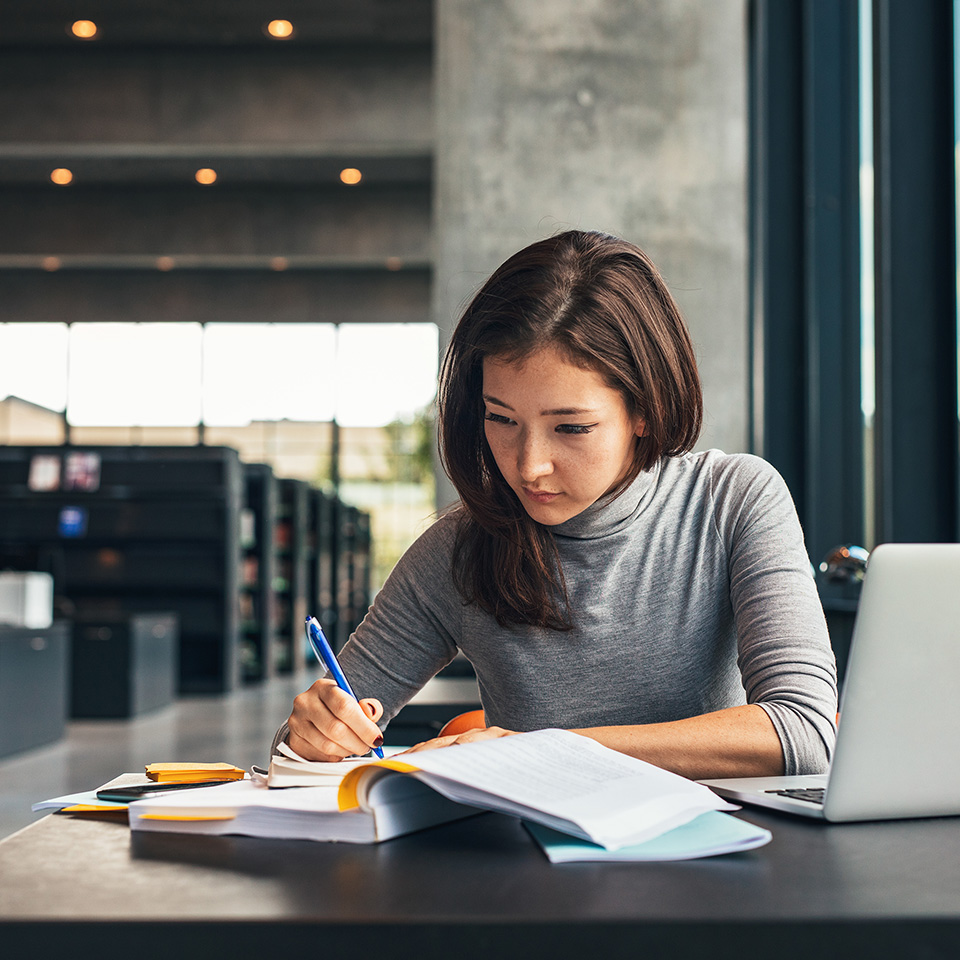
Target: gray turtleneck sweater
{"x":691,"y":591}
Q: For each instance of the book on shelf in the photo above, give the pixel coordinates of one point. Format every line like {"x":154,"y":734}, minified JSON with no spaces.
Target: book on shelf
{"x":556,"y":778}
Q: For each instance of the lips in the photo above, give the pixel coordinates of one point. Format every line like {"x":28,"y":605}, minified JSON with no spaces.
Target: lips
{"x":539,"y":496}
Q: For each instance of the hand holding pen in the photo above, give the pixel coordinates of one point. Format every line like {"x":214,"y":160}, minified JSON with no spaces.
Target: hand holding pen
{"x":323,"y":650}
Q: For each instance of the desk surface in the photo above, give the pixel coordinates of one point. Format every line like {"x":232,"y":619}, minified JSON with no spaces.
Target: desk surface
{"x":479,"y":887}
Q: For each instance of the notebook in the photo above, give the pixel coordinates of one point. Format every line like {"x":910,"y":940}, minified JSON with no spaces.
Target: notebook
{"x":896,"y":752}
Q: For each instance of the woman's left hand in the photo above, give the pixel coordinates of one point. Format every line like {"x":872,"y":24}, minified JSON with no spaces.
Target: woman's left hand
{"x":470,"y":736}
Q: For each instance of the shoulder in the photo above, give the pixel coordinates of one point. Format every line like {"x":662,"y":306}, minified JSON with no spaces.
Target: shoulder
{"x":430,"y":555}
{"x":749,"y":498}
{"x":728,"y":476}
{"x":740,"y":490}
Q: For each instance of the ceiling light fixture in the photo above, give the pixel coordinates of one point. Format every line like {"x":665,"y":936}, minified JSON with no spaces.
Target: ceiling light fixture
{"x":83,"y":29}
{"x":280,"y":29}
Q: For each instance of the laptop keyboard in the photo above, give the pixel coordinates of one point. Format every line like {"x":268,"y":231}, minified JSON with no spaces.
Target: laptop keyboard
{"x":810,"y":794}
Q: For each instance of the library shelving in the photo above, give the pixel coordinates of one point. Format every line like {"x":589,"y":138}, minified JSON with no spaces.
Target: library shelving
{"x":134,"y":530}
{"x":351,"y":551}
{"x":258,"y":601}
{"x":339,"y":565}
{"x":291,"y":542}
{"x":320,"y":567}
{"x":359,"y":559}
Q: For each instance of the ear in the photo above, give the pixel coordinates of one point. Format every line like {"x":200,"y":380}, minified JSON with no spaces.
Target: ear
{"x":640,"y":427}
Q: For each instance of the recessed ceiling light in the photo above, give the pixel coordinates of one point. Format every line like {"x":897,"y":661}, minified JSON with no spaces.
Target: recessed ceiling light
{"x":280,"y":29}
{"x":83,"y":29}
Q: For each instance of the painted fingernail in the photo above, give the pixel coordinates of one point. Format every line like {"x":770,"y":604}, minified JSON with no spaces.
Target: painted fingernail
{"x":378,"y":742}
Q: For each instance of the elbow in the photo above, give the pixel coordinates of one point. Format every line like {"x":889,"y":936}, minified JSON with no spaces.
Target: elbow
{"x":807,"y":738}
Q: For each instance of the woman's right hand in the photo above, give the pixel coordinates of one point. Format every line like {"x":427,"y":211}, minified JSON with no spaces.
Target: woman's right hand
{"x":328,"y":724}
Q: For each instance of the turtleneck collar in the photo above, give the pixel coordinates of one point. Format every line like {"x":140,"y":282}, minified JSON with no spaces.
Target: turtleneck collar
{"x":611,"y":514}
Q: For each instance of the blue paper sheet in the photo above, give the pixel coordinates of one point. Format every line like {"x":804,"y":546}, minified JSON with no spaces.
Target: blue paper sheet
{"x":708,"y":835}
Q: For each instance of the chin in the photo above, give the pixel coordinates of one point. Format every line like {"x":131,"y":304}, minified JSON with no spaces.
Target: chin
{"x":549,"y":515}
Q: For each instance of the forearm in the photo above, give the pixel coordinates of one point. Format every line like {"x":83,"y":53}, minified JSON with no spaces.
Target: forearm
{"x":736,"y":742}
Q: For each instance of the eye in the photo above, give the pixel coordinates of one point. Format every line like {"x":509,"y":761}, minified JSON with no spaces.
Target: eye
{"x":577,"y":429}
{"x":496,"y":418}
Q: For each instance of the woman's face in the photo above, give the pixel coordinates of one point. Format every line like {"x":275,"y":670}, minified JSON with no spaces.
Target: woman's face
{"x":561,"y":436}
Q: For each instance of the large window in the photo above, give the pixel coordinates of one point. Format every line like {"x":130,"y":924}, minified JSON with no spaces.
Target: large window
{"x":347,"y":405}
{"x":853,"y":240}
{"x":854,"y":272}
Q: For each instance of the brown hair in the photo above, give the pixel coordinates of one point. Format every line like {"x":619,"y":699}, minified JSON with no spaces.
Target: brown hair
{"x":602,"y":302}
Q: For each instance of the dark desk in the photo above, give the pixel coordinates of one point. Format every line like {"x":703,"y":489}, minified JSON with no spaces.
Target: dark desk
{"x":477,"y":888}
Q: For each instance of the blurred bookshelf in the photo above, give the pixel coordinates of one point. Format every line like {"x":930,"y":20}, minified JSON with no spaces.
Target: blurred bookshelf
{"x":258,"y":600}
{"x":292,"y":600}
{"x":237,"y":555}
{"x":133,"y":530}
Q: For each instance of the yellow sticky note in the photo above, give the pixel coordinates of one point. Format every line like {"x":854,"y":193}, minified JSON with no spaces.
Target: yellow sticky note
{"x":190,"y":771}
{"x":179,"y":817}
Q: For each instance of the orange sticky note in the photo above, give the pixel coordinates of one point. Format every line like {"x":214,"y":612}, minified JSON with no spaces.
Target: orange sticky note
{"x":191,"y":772}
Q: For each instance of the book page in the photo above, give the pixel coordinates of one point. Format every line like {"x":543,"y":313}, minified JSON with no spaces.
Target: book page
{"x":547,"y":765}
{"x":555,"y":764}
{"x":567,"y":781}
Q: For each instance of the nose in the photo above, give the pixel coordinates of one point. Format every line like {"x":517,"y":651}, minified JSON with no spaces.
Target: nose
{"x":534,"y":458}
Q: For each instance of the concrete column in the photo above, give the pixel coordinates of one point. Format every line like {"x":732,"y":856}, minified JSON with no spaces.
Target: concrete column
{"x":627,"y":116}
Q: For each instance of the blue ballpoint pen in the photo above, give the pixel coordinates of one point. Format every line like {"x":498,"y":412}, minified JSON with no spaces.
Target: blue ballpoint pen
{"x":323,"y":650}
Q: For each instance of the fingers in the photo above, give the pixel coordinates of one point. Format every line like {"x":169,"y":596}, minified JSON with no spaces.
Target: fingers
{"x":470,"y":736}
{"x":432,"y":744}
{"x":328,"y":724}
{"x":373,"y":708}
{"x":309,"y":751}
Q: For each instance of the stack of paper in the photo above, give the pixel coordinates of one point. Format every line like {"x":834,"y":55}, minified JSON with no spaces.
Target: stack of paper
{"x":306,"y":813}
{"x":88,"y":801}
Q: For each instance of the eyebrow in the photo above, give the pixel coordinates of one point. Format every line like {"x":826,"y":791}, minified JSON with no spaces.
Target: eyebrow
{"x":558,"y":412}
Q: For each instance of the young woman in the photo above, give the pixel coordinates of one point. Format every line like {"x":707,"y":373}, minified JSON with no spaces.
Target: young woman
{"x":598,"y":576}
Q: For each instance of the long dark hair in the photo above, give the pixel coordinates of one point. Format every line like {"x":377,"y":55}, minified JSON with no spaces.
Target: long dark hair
{"x":602,"y":302}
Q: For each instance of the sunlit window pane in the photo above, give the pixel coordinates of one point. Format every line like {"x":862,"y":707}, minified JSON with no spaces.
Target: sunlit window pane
{"x":266,"y":371}
{"x":143,"y":374}
{"x":33,"y":363}
{"x":385,"y":371}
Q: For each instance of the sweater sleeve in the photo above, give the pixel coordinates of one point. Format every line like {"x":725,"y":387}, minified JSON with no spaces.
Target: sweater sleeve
{"x":784,"y":653}
{"x":411,"y":630}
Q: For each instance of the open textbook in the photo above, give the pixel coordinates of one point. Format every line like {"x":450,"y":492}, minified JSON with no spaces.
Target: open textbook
{"x":553,"y":777}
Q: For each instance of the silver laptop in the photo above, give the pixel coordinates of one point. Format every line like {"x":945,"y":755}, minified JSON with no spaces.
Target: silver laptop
{"x":898,"y":741}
